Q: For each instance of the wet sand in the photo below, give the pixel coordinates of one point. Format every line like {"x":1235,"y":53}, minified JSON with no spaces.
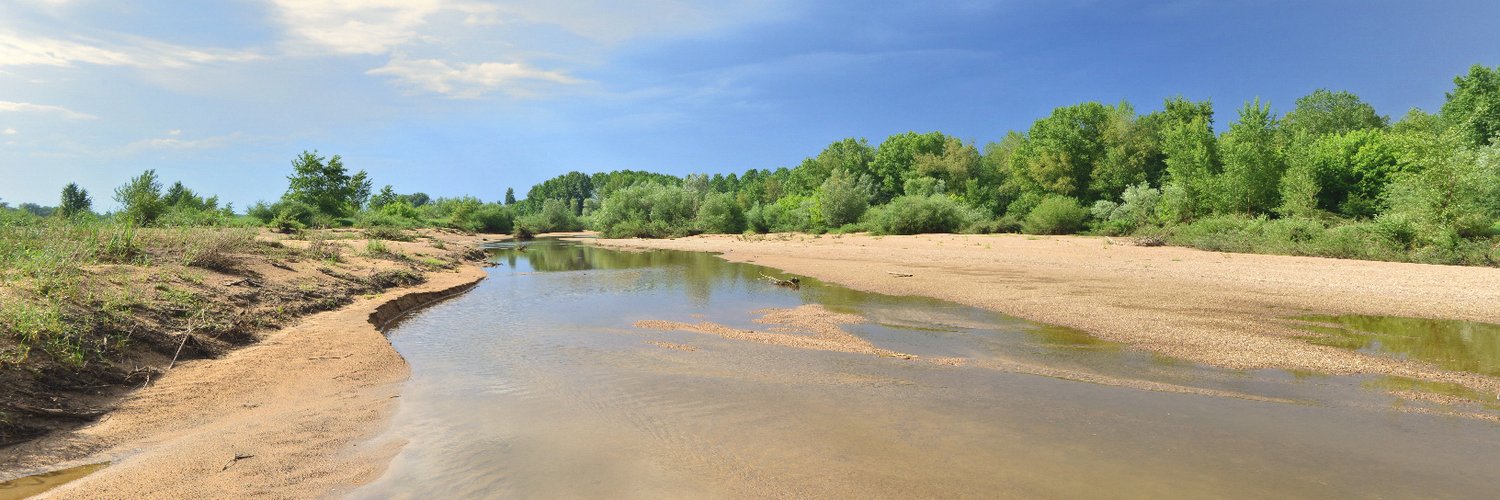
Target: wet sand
{"x":290,"y":416}
{"x":1221,"y":309}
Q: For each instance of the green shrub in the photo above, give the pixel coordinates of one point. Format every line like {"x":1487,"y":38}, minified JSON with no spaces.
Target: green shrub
{"x":1055,"y":215}
{"x":494,"y":218}
{"x":921,"y":214}
{"x":647,"y":211}
{"x":721,"y":214}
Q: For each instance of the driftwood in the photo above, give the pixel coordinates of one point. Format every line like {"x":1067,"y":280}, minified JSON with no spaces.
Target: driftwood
{"x":792,"y":283}
{"x":235,"y":460}
{"x":899,"y":275}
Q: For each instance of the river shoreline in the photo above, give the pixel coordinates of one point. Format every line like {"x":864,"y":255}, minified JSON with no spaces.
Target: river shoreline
{"x":1220,"y":309}
{"x":292,"y":414}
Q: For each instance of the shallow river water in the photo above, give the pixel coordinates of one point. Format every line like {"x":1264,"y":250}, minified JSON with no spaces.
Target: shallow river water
{"x":537,"y":383}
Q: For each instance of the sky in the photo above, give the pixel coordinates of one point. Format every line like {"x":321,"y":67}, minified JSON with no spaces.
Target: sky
{"x":469,"y":97}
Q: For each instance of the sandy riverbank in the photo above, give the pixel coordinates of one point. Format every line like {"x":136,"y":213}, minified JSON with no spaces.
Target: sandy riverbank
{"x":299,"y":407}
{"x":1226,"y":310}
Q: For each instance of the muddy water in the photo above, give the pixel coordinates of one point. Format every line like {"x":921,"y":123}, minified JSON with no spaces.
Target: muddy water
{"x":537,"y":384}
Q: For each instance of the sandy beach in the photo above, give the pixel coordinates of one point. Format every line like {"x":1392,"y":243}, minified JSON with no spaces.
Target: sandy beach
{"x":292,"y":415}
{"x":1227,"y":310}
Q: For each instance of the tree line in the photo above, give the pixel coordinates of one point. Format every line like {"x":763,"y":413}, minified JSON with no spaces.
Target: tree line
{"x":1332,"y":176}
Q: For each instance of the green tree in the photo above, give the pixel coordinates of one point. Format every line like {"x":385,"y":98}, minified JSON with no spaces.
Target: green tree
{"x":1253,"y":162}
{"x":955,"y":164}
{"x":1474,"y":104}
{"x":1191,"y":152}
{"x":1132,"y":152}
{"x":1342,"y":173}
{"x":896,"y":158}
{"x":386,"y":196}
{"x":1326,"y":112}
{"x":140,"y":199}
{"x":843,"y":199}
{"x":326,"y":185}
{"x":510,"y":196}
{"x":719,"y":213}
{"x":75,"y":200}
{"x":1060,"y":151}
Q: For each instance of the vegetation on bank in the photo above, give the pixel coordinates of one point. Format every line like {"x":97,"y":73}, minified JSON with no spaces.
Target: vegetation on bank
{"x":1332,"y":177}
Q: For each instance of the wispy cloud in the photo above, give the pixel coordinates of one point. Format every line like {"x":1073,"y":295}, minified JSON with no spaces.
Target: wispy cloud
{"x":26,"y":107}
{"x":472,"y":80}
{"x":174,"y":142}
{"x":132,"y":51}
{"x":9,"y":131}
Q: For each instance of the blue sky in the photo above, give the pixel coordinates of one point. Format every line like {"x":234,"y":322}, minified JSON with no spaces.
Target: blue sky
{"x":457,"y":97}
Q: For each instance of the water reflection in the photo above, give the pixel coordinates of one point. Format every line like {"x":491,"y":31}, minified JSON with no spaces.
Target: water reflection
{"x":536,"y":384}
{"x":1456,"y":345}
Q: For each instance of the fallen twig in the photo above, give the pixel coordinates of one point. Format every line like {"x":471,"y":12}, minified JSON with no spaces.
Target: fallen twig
{"x":899,"y":275}
{"x":792,"y":283}
{"x":235,"y":460}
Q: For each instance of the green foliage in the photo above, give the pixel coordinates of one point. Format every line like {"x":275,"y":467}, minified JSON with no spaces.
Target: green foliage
{"x":1060,"y":151}
{"x":1253,"y":162}
{"x":896,"y":159}
{"x":1343,"y":174}
{"x":140,"y":199}
{"x":1325,"y":112}
{"x":842,"y":199}
{"x":555,"y":216}
{"x":325,"y":185}
{"x":1192,"y":162}
{"x":1055,"y":215}
{"x":921,"y":214}
{"x":1137,"y":208}
{"x":719,"y":213}
{"x":75,"y":200}
{"x":1456,"y":197}
{"x":647,"y":210}
{"x":1474,"y":105}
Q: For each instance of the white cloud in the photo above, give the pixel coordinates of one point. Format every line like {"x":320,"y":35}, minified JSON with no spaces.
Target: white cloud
{"x":431,"y":42}
{"x":471,"y":80}
{"x":18,"y":50}
{"x":356,"y":26}
{"x":26,"y":107}
{"x":174,"y":143}
{"x":8,"y":131}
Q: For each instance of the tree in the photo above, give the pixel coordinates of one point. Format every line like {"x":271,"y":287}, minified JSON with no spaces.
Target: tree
{"x":326,"y":185}
{"x":1474,"y":105}
{"x":843,"y":199}
{"x":1326,"y":112}
{"x":386,"y":196}
{"x":1192,"y":159}
{"x":897,"y":155}
{"x":1132,"y":152}
{"x":75,"y":200}
{"x":140,"y":199}
{"x":1060,"y":151}
{"x":1253,"y":162}
{"x":719,"y":213}
{"x":1343,"y":173}
{"x":510,"y":196}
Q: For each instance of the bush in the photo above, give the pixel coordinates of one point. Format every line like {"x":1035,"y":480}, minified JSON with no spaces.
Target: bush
{"x":921,"y":214}
{"x":721,"y":214}
{"x":494,"y":218}
{"x":793,"y":214}
{"x":140,"y":199}
{"x":1055,"y":215}
{"x":647,"y":211}
{"x":842,"y":200}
